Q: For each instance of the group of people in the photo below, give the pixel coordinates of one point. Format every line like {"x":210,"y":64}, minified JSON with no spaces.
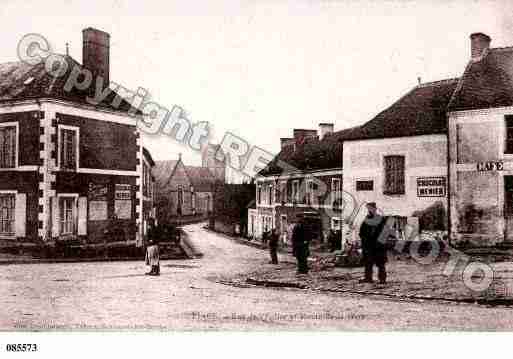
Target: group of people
{"x":373,"y":244}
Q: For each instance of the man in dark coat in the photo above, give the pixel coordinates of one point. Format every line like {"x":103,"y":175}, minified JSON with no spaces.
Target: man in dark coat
{"x":300,"y":249}
{"x":273,"y":246}
{"x":373,"y":244}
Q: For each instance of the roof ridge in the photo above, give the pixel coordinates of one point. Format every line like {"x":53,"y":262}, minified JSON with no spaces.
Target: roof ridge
{"x":438,"y":82}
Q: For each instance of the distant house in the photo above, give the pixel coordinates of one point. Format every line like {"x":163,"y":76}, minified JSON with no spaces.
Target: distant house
{"x":69,"y":170}
{"x":304,"y":178}
{"x":183,"y":190}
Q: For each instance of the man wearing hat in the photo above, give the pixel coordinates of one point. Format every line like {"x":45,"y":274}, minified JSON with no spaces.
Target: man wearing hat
{"x":373,"y":244}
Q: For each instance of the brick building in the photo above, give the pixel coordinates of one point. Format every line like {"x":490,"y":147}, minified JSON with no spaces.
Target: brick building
{"x":69,"y":170}
{"x":309,"y":183}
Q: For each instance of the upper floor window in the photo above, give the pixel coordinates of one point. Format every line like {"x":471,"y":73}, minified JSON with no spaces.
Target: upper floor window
{"x":509,"y":134}
{"x":311,"y":188}
{"x":259,"y":194}
{"x":7,"y":146}
{"x":68,"y":148}
{"x":394,"y":175}
{"x":283,"y":191}
{"x":295,"y":191}
{"x":366,"y":185}
{"x":336,"y":185}
{"x":270,"y":194}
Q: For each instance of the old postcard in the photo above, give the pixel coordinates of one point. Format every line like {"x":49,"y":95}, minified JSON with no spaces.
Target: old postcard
{"x":255,"y":166}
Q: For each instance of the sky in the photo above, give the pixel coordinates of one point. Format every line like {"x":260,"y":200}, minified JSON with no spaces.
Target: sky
{"x":258,"y":69}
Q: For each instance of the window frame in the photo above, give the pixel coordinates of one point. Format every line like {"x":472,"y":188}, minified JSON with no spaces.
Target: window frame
{"x":13,"y":233}
{"x":394,"y":191}
{"x":74,"y":213}
{"x":16,"y":125}
{"x":363,"y":180}
{"x":295,"y":193}
{"x":60,"y":128}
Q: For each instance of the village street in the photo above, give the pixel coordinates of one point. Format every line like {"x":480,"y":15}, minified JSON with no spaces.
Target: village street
{"x":117,"y":295}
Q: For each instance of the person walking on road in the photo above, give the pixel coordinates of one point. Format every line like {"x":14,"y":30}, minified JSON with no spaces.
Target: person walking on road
{"x":273,"y":246}
{"x":373,"y":244}
{"x":300,"y":248}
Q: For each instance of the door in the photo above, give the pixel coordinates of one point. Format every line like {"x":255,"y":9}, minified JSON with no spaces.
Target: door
{"x":508,"y":208}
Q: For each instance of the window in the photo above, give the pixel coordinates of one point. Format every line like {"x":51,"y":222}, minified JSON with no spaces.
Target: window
{"x":283,"y":191}
{"x":336,"y":186}
{"x":394,"y":175}
{"x":311,"y":188}
{"x":364,"y":185}
{"x":7,"y":206}
{"x":270,"y":194}
{"x":295,"y":191}
{"x":180,"y":196}
{"x":7,"y":146}
{"x":259,"y":194}
{"x":67,"y":215}
{"x":68,"y":148}
{"x":509,"y":135}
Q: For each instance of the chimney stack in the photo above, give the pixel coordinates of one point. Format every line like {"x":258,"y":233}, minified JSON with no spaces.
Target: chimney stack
{"x":479,"y":43}
{"x":300,"y":133}
{"x":285,"y":141}
{"x":325,"y":129}
{"x":95,"y":53}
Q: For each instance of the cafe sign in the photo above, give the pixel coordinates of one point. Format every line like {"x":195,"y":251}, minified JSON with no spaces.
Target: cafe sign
{"x":431,"y":186}
{"x":490,"y":166}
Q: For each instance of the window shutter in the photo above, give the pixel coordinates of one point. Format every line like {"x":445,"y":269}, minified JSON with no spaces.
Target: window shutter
{"x":20,"y":212}
{"x":55,"y":216}
{"x":82,"y":216}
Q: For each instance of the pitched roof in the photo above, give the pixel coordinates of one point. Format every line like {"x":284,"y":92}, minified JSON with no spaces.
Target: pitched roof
{"x":422,"y":111}
{"x":201,"y":178}
{"x":486,"y":83}
{"x":21,"y":81}
{"x":312,"y":154}
{"x":163,"y":170}
{"x":147,"y":154}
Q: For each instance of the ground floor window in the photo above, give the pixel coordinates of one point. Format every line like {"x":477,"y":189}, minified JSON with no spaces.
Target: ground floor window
{"x":67,"y":215}
{"x":7,"y":206}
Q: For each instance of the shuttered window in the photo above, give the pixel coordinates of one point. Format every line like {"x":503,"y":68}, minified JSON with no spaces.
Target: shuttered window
{"x":509,"y":135}
{"x":68,"y":149}
{"x":7,"y":146}
{"x":394,"y":175}
{"x":7,"y":207}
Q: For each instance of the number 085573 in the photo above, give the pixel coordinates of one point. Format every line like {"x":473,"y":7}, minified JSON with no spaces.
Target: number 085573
{"x":21,"y":347}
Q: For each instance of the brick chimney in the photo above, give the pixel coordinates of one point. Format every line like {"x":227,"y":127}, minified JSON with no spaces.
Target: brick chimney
{"x":95,"y":53}
{"x":479,"y":43}
{"x":300,"y":133}
{"x":286,"y":141}
{"x":325,"y":129}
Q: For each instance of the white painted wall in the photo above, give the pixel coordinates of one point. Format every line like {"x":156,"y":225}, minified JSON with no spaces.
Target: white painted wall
{"x":425,"y":156}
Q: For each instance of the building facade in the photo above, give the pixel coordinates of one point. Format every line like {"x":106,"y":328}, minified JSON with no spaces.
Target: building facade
{"x":305,"y":178}
{"x":183,"y":191}
{"x":69,"y":170}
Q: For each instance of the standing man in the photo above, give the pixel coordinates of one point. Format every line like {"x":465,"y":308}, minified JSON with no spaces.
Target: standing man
{"x":373,"y":244}
{"x":300,"y":246}
{"x":273,"y":246}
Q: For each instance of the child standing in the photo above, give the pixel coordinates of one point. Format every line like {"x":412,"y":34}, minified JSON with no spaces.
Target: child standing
{"x":153,"y":257}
